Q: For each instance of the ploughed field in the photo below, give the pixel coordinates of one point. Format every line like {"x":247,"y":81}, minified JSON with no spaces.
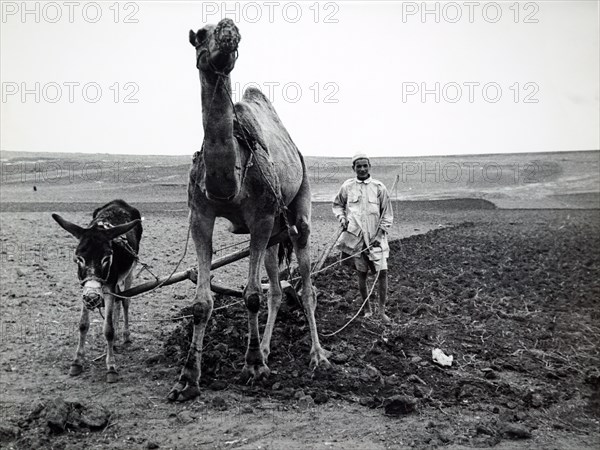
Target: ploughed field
{"x":512,"y":295}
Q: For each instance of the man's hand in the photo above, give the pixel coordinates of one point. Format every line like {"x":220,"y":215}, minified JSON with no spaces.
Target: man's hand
{"x":376,"y":241}
{"x":343,"y":223}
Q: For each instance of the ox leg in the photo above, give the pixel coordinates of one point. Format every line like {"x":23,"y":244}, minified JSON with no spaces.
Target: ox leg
{"x":274,"y":299}
{"x":255,"y":366}
{"x":112,"y":375}
{"x":187,"y":386}
{"x":84,"y":326}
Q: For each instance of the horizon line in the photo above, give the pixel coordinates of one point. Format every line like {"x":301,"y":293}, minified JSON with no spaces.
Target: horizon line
{"x":304,"y":155}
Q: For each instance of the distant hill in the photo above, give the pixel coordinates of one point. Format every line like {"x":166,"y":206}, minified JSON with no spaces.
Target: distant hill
{"x":522,"y":180}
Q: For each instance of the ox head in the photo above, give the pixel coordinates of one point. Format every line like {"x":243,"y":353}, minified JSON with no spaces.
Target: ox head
{"x":94,"y":256}
{"x":216,"y":46}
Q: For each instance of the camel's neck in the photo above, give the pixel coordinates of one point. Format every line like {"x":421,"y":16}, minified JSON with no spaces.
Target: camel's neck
{"x":221,"y":157}
{"x":217,"y":109}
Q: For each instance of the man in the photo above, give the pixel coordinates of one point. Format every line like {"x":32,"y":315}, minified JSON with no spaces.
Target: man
{"x":364,"y":210}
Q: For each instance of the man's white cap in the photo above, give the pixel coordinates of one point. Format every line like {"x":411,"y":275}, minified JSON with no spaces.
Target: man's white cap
{"x":359,"y":155}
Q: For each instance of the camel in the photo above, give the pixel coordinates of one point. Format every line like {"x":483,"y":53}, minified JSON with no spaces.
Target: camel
{"x":250,"y":172}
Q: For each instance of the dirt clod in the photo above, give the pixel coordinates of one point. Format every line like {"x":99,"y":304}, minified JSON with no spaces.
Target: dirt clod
{"x":60,"y":415}
{"x":185,"y":417}
{"x":306,"y":402}
{"x":320,"y":398}
{"x":482,"y":429}
{"x":57,"y":414}
{"x":399,"y":405}
{"x":8,"y":433}
{"x":516,"y":431}
{"x":219,"y":403}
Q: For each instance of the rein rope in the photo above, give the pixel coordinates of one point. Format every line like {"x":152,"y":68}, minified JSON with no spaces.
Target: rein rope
{"x":187,"y":240}
{"x":359,"y":309}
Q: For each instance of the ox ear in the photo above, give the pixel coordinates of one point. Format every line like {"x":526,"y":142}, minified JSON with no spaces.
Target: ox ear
{"x":118,"y":230}
{"x":75,"y":230}
{"x":192,"y":38}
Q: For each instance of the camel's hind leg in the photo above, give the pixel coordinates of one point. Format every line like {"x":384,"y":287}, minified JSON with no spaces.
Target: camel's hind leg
{"x":301,"y":206}
{"x":187,"y":387}
{"x":274,"y":298}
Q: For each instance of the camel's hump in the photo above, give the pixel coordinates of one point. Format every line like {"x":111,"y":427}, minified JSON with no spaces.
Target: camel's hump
{"x":253,"y":94}
{"x":255,"y":115}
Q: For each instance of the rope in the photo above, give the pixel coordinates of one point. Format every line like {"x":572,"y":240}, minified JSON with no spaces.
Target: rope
{"x":341,"y":260}
{"x":220,"y":249}
{"x":187,"y":240}
{"x":359,"y":310}
{"x":145,"y":267}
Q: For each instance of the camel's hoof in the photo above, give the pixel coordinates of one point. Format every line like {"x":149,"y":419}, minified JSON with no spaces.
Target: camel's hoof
{"x":75,"y":370}
{"x":265,"y":353}
{"x":319,"y":359}
{"x":385,"y":319}
{"x":112,"y":376}
{"x":178,"y":394}
{"x":255,"y":372}
{"x":126,"y":339}
{"x":174,"y":393}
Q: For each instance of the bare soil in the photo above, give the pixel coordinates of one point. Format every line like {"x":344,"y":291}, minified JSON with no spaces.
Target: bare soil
{"x":512,"y":295}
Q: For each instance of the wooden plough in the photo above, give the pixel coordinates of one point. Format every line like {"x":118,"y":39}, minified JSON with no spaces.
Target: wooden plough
{"x":192,"y":273}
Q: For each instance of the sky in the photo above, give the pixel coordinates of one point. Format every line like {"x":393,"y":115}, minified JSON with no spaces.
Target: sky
{"x":388,"y":78}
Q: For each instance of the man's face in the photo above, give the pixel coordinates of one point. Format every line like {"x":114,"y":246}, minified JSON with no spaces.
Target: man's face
{"x":362,"y":168}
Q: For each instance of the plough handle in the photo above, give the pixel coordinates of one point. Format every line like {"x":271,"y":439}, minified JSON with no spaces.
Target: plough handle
{"x":327,"y":251}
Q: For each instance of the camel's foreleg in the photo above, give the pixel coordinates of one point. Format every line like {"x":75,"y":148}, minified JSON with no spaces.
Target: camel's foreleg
{"x":255,"y":365}
{"x":187,"y":387}
{"x":274,"y":299}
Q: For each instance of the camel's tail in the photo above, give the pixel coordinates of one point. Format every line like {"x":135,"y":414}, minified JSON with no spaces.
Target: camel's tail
{"x":285,"y":251}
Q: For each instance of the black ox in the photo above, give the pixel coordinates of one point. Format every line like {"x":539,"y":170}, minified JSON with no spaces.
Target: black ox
{"x":106,"y":257}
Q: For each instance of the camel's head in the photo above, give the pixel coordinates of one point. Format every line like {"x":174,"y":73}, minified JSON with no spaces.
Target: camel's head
{"x":216,"y":46}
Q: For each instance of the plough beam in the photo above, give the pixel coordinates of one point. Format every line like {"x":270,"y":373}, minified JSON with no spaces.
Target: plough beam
{"x":192,"y":273}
